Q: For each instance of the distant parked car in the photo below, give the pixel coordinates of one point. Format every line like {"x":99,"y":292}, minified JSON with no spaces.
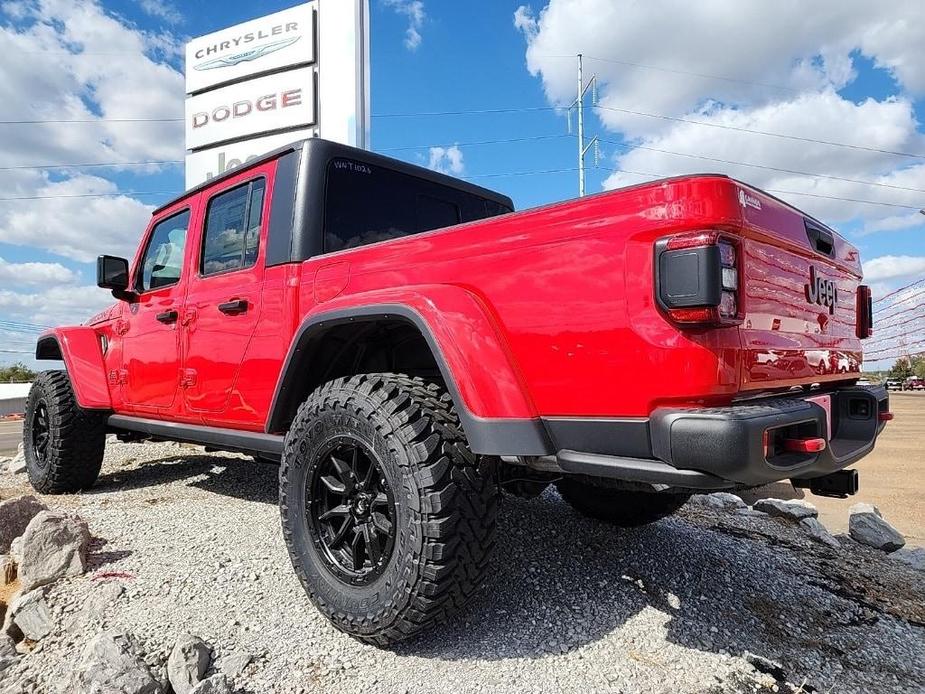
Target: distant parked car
{"x":914,"y":384}
{"x":894,"y":384}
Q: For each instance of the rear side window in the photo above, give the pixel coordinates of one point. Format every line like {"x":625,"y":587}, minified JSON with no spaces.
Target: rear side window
{"x":366,"y":203}
{"x":232,"y":235}
{"x":162,"y":262}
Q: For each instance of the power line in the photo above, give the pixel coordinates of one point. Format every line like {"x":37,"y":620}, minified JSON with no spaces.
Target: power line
{"x":776,"y":190}
{"x":761,"y":166}
{"x":468,"y":112}
{"x":137,"y":193}
{"x":834,"y":197}
{"x":75,"y":121}
{"x":897,"y":291}
{"x":91,"y":165}
{"x":520,"y":173}
{"x":765,"y":133}
{"x":533,"y":138}
{"x":676,"y":71}
{"x":761,"y":132}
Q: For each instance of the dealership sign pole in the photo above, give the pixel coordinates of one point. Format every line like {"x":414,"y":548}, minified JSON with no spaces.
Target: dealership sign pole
{"x":302,"y":72}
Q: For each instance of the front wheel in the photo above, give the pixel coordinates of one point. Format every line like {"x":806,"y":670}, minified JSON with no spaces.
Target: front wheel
{"x":389,"y":519}
{"x":620,"y":507}
{"x":63,"y":443}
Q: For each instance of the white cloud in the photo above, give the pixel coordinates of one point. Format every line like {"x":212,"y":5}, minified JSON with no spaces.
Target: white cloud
{"x":76,"y":62}
{"x":448,"y":160}
{"x":781,"y":70}
{"x":894,"y":223}
{"x":414,"y":11}
{"x":161,"y":9}
{"x":81,"y":63}
{"x":54,"y":305}
{"x":63,"y":223}
{"x":12,"y":274}
{"x":893,"y":267}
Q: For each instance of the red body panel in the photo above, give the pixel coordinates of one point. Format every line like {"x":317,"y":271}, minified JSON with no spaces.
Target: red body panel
{"x":82,"y":353}
{"x":548,"y":312}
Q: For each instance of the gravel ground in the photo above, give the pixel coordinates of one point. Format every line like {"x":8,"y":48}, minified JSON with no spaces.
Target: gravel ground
{"x":570,"y":605}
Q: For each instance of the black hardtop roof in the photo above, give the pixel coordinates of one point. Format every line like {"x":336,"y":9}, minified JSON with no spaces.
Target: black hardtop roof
{"x":327,"y":150}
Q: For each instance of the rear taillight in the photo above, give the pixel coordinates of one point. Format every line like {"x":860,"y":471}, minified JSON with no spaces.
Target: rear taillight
{"x":697,"y":278}
{"x":864,"y":323}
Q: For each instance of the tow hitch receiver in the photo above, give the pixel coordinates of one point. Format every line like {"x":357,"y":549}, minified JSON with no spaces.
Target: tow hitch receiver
{"x":838,"y":485}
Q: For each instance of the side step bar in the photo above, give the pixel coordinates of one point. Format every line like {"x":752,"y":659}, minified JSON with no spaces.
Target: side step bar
{"x":270,"y":445}
{"x":637,"y":470}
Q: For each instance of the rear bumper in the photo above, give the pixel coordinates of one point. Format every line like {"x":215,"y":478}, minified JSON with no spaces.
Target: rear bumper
{"x":715,"y":448}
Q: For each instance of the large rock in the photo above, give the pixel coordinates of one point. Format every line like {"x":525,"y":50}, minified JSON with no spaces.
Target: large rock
{"x":111,"y":664}
{"x":817,"y":531}
{"x":721,"y":501}
{"x":16,"y":550}
{"x":31,"y":615}
{"x":792,"y":509}
{"x":234,"y":664}
{"x":187,"y":663}
{"x":866,"y":525}
{"x":913,"y":556}
{"x":216,"y":684}
{"x":15,"y":515}
{"x":54,"y":545}
{"x":17,"y":465}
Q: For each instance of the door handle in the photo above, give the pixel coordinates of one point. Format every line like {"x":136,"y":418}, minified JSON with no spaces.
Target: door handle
{"x":233,"y":307}
{"x":168,"y":316}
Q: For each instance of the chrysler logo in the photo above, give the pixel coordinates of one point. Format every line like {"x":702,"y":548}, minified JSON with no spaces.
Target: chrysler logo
{"x":821,"y":291}
{"x":246,"y":56}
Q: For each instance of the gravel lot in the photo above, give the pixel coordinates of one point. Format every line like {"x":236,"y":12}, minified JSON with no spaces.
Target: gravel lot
{"x":571,"y":605}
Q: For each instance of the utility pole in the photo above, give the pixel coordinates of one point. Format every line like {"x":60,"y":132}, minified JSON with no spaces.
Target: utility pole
{"x":580,"y":103}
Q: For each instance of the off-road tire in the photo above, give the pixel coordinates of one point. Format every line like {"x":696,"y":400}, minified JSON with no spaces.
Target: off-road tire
{"x":626,"y":509}
{"x":445,"y":504}
{"x":76,"y":437}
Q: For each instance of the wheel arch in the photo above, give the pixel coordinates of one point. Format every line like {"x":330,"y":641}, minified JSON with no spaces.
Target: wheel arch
{"x":522,"y":433}
{"x":79,"y":348}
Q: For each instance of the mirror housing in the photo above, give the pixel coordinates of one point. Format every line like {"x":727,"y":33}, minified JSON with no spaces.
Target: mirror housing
{"x":112,"y":273}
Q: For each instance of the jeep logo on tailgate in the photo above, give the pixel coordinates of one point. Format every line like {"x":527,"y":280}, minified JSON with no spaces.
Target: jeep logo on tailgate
{"x":821,"y":291}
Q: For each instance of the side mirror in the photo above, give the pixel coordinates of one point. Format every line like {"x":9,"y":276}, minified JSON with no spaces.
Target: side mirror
{"x":112,"y":273}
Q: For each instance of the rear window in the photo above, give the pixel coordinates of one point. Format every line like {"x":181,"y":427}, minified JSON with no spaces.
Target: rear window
{"x":366,"y":203}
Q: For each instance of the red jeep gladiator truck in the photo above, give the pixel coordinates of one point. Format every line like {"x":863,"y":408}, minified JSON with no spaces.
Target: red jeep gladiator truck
{"x":407,"y":347}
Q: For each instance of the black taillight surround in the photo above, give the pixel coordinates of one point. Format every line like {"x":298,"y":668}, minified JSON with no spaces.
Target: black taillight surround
{"x":689,"y":285}
{"x":864,"y":312}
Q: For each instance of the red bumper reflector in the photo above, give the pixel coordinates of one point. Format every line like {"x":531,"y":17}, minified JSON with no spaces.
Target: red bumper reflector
{"x":885,"y":417}
{"x":804,"y":445}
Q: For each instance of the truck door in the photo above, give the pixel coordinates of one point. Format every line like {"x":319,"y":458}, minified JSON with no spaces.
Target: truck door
{"x":150,"y":339}
{"x":224,"y":298}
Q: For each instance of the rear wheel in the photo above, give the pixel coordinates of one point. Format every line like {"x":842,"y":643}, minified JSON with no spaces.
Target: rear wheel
{"x":620,"y":507}
{"x":63,"y":443}
{"x":388,"y":517}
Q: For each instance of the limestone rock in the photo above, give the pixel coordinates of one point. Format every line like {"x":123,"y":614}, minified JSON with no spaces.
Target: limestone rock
{"x":54,"y":545}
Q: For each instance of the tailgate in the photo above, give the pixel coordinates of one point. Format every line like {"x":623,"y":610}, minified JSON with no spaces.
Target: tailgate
{"x":800,"y":291}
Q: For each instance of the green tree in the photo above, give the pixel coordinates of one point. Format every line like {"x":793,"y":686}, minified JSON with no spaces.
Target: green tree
{"x":906,"y":367}
{"x":17,"y":373}
{"x":918,"y":366}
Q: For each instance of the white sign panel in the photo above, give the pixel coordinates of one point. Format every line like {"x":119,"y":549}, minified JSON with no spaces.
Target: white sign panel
{"x":262,"y":105}
{"x":212,"y":162}
{"x":302,"y":72}
{"x":280,"y":40}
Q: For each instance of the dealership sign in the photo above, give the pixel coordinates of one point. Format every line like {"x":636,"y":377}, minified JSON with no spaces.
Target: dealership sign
{"x":302,"y":72}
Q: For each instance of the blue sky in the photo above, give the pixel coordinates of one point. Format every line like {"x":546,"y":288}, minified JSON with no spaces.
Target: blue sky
{"x":854,"y":74}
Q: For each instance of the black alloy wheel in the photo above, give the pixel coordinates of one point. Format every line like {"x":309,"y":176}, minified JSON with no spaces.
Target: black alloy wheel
{"x":352,"y":510}
{"x":40,"y":434}
{"x":62,"y":442}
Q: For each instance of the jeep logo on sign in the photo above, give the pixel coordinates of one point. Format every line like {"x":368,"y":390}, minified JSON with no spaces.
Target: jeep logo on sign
{"x":821,"y":291}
